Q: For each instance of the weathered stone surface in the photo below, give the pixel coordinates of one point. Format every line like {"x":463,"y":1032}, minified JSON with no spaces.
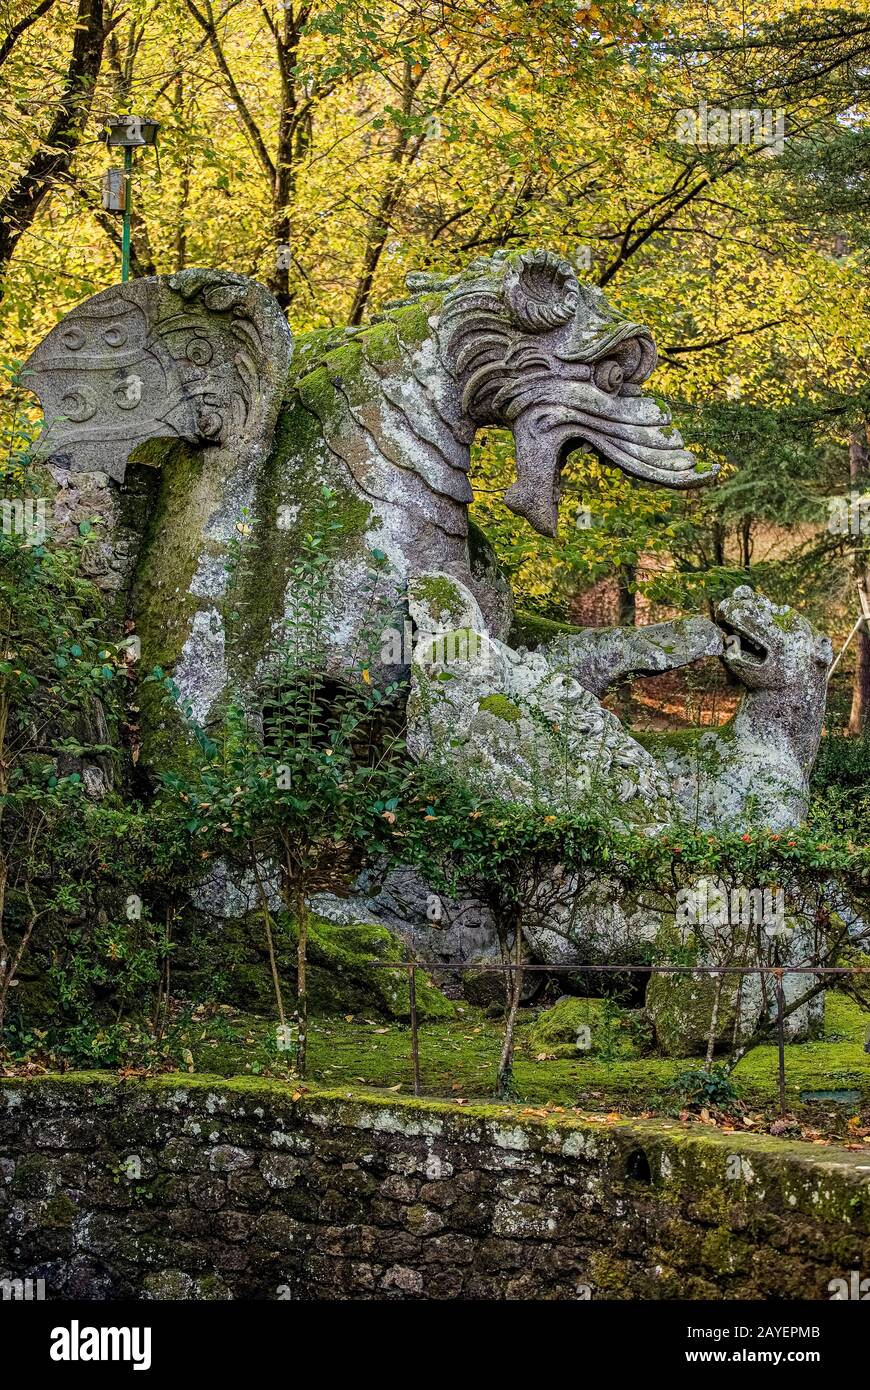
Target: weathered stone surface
{"x":756,"y":770}
{"x":201,"y":355}
{"x":384,"y":414}
{"x":440,"y":930}
{"x":519,"y":726}
{"x":753,"y":772}
{"x":188,"y":378}
{"x":598,"y":657}
{"x":483,"y":1202}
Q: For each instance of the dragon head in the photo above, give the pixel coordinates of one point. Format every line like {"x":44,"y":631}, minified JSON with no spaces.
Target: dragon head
{"x":535,"y":351}
{"x":768,"y":646}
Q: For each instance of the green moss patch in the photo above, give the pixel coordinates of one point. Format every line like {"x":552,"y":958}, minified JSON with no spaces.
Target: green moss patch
{"x":459,"y":1057}
{"x":501,"y":707}
{"x":833,"y":1063}
{"x":439,"y":595}
{"x":579,"y":1028}
{"x":234,"y":969}
{"x":528,"y":630}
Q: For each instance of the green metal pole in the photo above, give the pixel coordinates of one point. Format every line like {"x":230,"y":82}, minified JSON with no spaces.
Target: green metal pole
{"x":128,"y":198}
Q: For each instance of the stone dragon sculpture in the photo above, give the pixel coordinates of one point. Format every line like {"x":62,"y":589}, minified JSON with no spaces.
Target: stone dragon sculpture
{"x":175,"y":405}
{"x":197,"y":370}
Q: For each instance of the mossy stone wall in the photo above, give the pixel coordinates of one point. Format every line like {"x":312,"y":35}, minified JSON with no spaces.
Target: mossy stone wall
{"x":189,"y":1187}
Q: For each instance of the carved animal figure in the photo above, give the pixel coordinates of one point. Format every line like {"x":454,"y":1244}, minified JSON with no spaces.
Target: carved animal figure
{"x":518,"y":724}
{"x":385,"y":415}
{"x":757,"y":767}
{"x":175,"y":406}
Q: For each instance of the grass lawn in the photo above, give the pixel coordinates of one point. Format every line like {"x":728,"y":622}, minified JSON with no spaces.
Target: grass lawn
{"x":458,"y":1059}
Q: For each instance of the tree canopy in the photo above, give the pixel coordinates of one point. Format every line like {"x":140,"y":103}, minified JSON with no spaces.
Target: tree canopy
{"x":330,"y":148}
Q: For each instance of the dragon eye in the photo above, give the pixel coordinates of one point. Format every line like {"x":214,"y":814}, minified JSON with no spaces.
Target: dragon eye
{"x":630,"y":357}
{"x":608,"y":376}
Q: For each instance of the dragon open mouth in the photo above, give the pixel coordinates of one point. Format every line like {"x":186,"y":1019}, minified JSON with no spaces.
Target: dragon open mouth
{"x":594,"y":404}
{"x":741,"y":645}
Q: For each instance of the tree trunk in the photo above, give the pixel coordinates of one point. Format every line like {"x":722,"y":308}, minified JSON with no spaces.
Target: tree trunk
{"x":268,"y":924}
{"x":294,"y":133}
{"x":626,"y":581}
{"x":746,"y":542}
{"x":714,"y":1021}
{"x":505,"y":1084}
{"x":53,"y":159}
{"x":859,"y":477}
{"x":404,"y":152}
{"x":301,"y":982}
{"x":184,"y":192}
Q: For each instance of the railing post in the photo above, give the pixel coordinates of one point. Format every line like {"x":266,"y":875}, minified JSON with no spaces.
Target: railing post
{"x":415,"y":1039}
{"x":780,"y":1031}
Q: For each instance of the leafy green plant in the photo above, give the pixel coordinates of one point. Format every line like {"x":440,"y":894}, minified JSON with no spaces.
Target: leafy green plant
{"x":59,"y":678}
{"x":844,"y":764}
{"x":465,"y":844}
{"x":698,"y":1087}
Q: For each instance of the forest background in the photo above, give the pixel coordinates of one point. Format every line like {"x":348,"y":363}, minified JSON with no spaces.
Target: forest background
{"x":328,"y":149}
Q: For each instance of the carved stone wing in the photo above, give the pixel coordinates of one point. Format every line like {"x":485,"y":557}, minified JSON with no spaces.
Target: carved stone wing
{"x":202,"y":356}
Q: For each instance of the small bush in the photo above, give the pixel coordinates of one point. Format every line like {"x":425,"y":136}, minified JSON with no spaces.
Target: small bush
{"x":701,"y":1086}
{"x":845,"y":763}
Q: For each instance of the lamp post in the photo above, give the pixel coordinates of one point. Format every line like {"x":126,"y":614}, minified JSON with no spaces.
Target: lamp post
{"x":127,"y":133}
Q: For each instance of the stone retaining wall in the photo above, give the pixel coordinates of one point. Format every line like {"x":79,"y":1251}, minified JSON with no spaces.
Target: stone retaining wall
{"x":198,"y":1188}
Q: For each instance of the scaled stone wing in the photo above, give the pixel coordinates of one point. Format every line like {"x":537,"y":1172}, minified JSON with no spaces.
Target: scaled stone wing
{"x":202,"y":356}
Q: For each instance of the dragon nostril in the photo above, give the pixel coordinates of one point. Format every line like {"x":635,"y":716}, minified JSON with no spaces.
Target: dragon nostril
{"x":608,"y":376}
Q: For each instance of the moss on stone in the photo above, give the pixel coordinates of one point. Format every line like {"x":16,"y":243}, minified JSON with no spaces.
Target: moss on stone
{"x":318,"y":394}
{"x":406,"y":326}
{"x":789,"y":621}
{"x":679,"y":1159}
{"x":438,"y":593}
{"x":58,"y":1212}
{"x":461,"y":644}
{"x":342,"y":978}
{"x":412,"y":320}
{"x":530,"y":630}
{"x":189,"y":493}
{"x":657,"y":741}
{"x":380,"y":344}
{"x":501,"y":707}
{"x":581,"y":1028}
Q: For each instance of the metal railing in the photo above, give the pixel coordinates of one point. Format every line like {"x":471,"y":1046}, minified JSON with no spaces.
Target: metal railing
{"x":777,"y":972}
